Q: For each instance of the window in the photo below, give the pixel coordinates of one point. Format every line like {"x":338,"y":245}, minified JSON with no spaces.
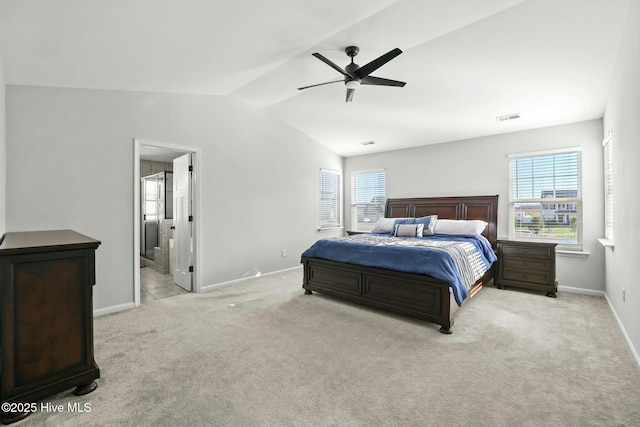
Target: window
{"x":545,"y":199}
{"x":367,"y":199}
{"x":608,"y":187}
{"x":330,"y":199}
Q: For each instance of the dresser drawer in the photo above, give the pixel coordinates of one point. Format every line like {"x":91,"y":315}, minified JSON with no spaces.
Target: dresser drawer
{"x":526,"y":264}
{"x":514,"y":250}
{"x":526,"y":276}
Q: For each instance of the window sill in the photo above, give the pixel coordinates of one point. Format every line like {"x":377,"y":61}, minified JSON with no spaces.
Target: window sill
{"x":606,"y":243}
{"x":330,"y":229}
{"x":575,"y":254}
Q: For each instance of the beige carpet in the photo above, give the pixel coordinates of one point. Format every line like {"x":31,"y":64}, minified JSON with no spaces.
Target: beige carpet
{"x":263,"y":353}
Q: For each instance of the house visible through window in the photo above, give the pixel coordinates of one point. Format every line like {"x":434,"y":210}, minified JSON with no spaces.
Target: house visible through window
{"x":608,"y":187}
{"x":368,"y":197}
{"x":330,"y":199}
{"x":545,"y":200}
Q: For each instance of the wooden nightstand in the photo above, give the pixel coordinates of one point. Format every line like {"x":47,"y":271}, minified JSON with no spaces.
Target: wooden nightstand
{"x":528,"y":265}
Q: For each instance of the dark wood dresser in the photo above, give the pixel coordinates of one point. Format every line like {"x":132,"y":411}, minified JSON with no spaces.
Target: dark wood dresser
{"x":46,"y":315}
{"x":528,"y":265}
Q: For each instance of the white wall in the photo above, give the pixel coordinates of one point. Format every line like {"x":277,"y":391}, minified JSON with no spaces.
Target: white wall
{"x":71,"y":166}
{"x":622,"y":117}
{"x":480,"y":167}
{"x":3,"y":161}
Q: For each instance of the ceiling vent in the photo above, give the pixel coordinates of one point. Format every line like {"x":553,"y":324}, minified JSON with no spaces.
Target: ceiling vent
{"x":512,"y":116}
{"x":367,"y":143}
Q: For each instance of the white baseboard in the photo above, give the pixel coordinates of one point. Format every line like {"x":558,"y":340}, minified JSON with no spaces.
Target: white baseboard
{"x":113,"y":309}
{"x":209,"y":288}
{"x":624,"y":331}
{"x":581,"y":291}
{"x":130,"y":305}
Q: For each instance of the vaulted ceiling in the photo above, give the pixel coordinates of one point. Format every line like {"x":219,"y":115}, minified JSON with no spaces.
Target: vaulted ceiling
{"x":465,"y":61}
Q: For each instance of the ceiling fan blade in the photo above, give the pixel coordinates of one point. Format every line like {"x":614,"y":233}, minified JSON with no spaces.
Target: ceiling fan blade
{"x":369,"y":68}
{"x":320,"y":84}
{"x":331,"y":64}
{"x":379,"y":81}
{"x":350,"y":93}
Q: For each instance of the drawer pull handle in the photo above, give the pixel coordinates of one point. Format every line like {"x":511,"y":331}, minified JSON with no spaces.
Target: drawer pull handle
{"x":525,"y":249}
{"x":526,"y":263}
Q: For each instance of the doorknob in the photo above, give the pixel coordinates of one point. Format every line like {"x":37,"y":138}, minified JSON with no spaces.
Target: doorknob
{"x":173,"y":227}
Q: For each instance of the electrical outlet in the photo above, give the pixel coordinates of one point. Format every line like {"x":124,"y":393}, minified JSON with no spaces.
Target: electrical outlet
{"x":624,"y":294}
{"x":283,"y":253}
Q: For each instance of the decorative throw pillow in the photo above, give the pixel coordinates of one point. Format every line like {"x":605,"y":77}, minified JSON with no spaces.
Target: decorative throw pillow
{"x":429,"y":224}
{"x":386,"y":225}
{"x":408,"y":230}
{"x":402,"y":221}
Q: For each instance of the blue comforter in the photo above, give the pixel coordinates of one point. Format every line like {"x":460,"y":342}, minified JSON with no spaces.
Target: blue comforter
{"x":394,"y":253}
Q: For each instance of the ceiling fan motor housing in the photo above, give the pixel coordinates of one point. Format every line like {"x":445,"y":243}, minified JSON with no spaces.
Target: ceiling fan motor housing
{"x":350,"y":69}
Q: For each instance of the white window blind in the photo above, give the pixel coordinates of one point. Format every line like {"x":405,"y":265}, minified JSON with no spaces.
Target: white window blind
{"x":545,"y":198}
{"x":330,"y":199}
{"x":368,"y":196}
{"x":608,"y":187}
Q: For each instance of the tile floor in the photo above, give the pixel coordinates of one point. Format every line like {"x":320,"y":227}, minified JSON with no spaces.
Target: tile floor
{"x":154,"y":285}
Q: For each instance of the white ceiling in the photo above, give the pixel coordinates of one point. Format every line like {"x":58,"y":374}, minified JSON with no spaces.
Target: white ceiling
{"x":465,"y":61}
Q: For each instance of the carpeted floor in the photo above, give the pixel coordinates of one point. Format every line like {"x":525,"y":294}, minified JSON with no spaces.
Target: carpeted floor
{"x":263,"y":353}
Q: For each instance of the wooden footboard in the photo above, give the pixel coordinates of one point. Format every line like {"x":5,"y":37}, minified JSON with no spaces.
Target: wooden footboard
{"x":417,"y":296}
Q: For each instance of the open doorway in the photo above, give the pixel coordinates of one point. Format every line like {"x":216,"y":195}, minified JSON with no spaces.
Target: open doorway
{"x":165,"y":231}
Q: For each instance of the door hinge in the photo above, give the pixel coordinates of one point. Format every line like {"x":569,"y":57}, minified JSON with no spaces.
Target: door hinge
{"x":191,"y":269}
{"x":190,"y":218}
{"x":190,"y":168}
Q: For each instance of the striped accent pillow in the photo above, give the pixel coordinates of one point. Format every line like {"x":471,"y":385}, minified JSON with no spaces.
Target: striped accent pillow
{"x":408,"y":230}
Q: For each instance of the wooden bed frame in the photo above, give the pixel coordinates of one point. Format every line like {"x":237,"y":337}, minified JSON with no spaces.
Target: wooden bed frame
{"x":415,"y":295}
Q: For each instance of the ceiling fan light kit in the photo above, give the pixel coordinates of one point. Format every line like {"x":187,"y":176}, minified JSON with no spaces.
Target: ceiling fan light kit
{"x":355,"y":75}
{"x":352,"y":84}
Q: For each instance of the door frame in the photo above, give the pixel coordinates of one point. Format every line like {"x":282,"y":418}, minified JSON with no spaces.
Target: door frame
{"x":195,"y":208}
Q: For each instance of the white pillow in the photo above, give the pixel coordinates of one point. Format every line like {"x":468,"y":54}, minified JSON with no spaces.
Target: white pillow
{"x":385,"y":225}
{"x":473,"y":227}
{"x":408,"y":230}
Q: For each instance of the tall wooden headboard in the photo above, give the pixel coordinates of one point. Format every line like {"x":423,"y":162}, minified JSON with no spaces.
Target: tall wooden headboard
{"x":484,"y":208}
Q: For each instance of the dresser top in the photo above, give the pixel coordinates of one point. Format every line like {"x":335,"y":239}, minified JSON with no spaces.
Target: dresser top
{"x":17,"y":242}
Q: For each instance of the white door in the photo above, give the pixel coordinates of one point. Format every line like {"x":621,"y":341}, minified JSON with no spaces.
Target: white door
{"x":182,"y":235}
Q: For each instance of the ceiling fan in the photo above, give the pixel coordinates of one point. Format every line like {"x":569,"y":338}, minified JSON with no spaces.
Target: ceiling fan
{"x":355,"y":75}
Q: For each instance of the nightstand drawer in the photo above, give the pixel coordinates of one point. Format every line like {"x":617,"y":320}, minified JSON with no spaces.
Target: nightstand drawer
{"x":514,"y":250}
{"x":526,"y":276}
{"x":526,"y":264}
